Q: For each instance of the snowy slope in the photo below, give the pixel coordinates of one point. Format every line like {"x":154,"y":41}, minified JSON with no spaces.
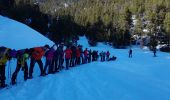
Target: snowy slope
{"x":19,"y":36}
{"x":142,"y":77}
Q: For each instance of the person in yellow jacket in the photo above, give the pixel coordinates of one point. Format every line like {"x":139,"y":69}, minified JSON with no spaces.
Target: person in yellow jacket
{"x":4,"y":57}
{"x":22,"y":57}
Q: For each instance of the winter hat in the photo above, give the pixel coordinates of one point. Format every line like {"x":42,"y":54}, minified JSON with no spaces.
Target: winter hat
{"x":47,"y":46}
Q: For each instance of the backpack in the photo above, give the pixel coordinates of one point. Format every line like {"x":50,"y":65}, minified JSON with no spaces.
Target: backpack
{"x":13,"y":53}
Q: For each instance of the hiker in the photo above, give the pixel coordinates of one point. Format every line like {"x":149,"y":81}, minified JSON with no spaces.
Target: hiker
{"x":36,"y":55}
{"x":113,"y":58}
{"x":96,"y":55}
{"x":73,"y":56}
{"x":93,"y":55}
{"x":68,"y":53}
{"x":101,"y":56}
{"x":77,"y":56}
{"x":85,"y":55}
{"x":22,"y":57}
{"x":4,"y":57}
{"x":130,"y":53}
{"x":55,"y":59}
{"x":89,"y":56}
{"x":60,"y":56}
{"x":154,"y":52}
{"x":104,"y":56}
{"x":81,"y":54}
{"x":107,"y":55}
{"x":49,"y":58}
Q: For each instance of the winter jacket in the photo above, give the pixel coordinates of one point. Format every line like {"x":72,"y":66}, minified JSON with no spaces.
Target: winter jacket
{"x":68,"y":53}
{"x":77,"y":53}
{"x":13,"y":53}
{"x":60,"y":52}
{"x":108,"y":54}
{"x":4,"y":57}
{"x":85,"y":53}
{"x":22,"y":58}
{"x":38,"y":53}
{"x":50,"y":54}
{"x":73,"y":49}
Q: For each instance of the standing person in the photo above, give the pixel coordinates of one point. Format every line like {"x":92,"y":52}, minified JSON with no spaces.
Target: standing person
{"x":73,"y":56}
{"x":154,"y":52}
{"x":96,"y":55}
{"x":60,"y":56}
{"x":81,"y":54}
{"x":68,"y":53}
{"x":4,"y":57}
{"x":93,"y":55}
{"x":85,"y":55}
{"x":55,"y":59}
{"x":107,"y":55}
{"x":36,"y":56}
{"x":104,"y":56}
{"x":101,"y":56}
{"x":130,"y":53}
{"x":49,"y":58}
{"x":89,"y":56}
{"x":22,"y":57}
{"x":77,"y":56}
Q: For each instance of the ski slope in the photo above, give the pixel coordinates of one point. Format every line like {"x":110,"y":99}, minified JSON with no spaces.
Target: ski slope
{"x":142,"y":77}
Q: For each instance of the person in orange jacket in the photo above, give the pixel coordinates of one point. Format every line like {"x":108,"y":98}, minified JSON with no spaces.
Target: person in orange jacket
{"x":68,"y":53}
{"x":36,"y":55}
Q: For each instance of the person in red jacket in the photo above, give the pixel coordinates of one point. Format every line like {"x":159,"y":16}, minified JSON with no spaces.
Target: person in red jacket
{"x":78,"y":56}
{"x":49,"y":58}
{"x":85,"y":55}
{"x":68,"y":53}
{"x":36,"y":55}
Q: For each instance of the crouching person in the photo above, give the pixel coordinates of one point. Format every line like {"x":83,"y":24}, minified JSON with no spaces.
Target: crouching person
{"x":4,"y":57}
{"x":49,"y":58}
{"x":113,"y":58}
{"x":36,"y":55}
{"x":22,"y":57}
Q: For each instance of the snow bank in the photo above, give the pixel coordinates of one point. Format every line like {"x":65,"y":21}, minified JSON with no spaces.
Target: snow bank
{"x":16,"y":35}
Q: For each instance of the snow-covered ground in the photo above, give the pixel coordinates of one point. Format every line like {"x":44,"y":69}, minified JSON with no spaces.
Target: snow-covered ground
{"x":142,"y":77}
{"x":16,"y":35}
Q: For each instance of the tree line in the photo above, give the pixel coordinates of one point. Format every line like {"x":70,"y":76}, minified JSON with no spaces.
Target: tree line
{"x":100,"y":20}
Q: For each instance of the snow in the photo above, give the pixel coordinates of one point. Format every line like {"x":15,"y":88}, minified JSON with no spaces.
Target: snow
{"x":142,"y":77}
{"x":16,"y":35}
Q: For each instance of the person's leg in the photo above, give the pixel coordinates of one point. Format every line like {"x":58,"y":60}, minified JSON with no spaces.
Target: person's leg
{"x":14,"y":75}
{"x":67,"y":63}
{"x":25,"y":71}
{"x":2,"y":75}
{"x":41,"y":67}
{"x":45,"y":67}
{"x":32,"y":63}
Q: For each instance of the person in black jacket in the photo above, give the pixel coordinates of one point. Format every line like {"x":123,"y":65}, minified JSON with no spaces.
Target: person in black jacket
{"x":130,"y":53}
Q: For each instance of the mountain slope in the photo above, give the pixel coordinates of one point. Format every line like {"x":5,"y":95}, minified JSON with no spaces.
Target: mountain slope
{"x":16,"y":35}
{"x":142,"y":77}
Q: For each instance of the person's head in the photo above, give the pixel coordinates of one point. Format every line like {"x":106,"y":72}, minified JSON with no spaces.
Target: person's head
{"x":46,"y":46}
{"x":26,"y":51}
{"x":8,"y":52}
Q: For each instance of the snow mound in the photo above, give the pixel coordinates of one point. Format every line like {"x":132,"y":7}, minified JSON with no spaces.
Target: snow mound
{"x":16,"y":35}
